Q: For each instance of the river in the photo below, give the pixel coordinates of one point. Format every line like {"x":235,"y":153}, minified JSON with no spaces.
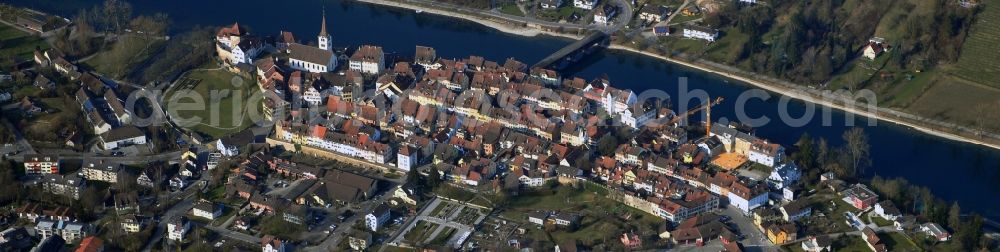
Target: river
{"x":954,"y":171}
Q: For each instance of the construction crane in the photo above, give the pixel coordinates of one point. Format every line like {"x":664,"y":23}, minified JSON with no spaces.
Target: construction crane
{"x":708,"y":118}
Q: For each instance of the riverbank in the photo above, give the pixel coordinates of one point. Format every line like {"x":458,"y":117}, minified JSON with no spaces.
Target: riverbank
{"x":929,"y":126}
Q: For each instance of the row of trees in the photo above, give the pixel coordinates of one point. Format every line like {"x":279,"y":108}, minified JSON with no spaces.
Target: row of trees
{"x":815,"y":155}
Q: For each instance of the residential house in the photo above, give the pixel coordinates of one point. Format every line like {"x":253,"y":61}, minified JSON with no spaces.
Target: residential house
{"x":817,"y":244}
{"x":359,"y":240}
{"x":426,"y":57}
{"x":564,"y":219}
{"x":661,"y":30}
{"x":91,"y":244}
{"x":131,"y":223}
{"x":701,"y":229}
{"x":872,"y":240}
{"x":368,"y":59}
{"x":550,"y":4}
{"x":38,"y":164}
{"x":796,"y":210}
{"x":50,"y":243}
{"x":781,"y":233}
{"x":653,"y":13}
{"x":70,"y":231}
{"x":406,"y":158}
{"x":229,"y":146}
{"x":874,"y":47}
{"x":887,"y":210}
{"x":860,"y":196}
{"x":126,"y":201}
{"x":118,"y":111}
{"x":604,"y":14}
{"x":935,"y":231}
{"x":206,"y":209}
{"x":100,"y":170}
{"x":765,"y":153}
{"x":270,"y":243}
{"x":538,"y":217}
{"x":377,"y":217}
{"x":585,"y":4}
{"x":784,"y":175}
{"x":43,"y":83}
{"x":177,"y":228}
{"x":121,"y":137}
{"x":70,"y":186}
{"x":700,"y":32}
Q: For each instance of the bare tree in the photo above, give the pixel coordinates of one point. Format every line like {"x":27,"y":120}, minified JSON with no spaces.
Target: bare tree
{"x":857,"y":149}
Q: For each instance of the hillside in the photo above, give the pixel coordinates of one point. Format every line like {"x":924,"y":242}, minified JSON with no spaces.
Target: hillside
{"x":941,"y":61}
{"x":978,"y":62}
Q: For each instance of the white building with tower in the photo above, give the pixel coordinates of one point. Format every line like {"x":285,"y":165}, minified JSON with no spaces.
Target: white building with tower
{"x":318,"y":59}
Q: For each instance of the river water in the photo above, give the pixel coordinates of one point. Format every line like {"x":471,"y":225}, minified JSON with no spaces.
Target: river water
{"x":953,"y":170}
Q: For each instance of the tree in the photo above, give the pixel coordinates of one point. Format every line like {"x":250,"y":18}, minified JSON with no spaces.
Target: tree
{"x":857,"y":150}
{"x":806,"y":156}
{"x":607,"y":145}
{"x":434,"y":178}
{"x":954,"y":216}
{"x":970,"y":233}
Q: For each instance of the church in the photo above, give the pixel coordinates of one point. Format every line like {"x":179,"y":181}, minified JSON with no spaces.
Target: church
{"x":318,"y":59}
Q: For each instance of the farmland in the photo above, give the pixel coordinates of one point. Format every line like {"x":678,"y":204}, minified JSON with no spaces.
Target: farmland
{"x":977,"y":62}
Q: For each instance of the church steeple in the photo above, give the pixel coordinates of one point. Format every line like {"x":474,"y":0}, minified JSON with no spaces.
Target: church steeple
{"x":322,"y":28}
{"x":323,"y":40}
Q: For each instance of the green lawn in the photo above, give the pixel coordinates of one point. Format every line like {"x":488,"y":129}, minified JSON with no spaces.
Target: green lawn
{"x":220,"y":116}
{"x":850,"y":244}
{"x":897,"y":242}
{"x":879,"y":221}
{"x":905,"y":91}
{"x":14,"y":42}
{"x":511,"y":9}
{"x":602,"y":217}
{"x":124,"y":55}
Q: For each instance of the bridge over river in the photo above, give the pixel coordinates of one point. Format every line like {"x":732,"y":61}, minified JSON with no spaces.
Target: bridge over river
{"x":572,"y":53}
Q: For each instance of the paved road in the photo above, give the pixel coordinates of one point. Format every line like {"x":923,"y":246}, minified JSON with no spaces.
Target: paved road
{"x":178,"y":209}
{"x":20,"y":145}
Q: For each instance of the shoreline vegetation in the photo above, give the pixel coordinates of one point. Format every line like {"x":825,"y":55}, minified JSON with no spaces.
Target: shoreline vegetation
{"x":825,"y":98}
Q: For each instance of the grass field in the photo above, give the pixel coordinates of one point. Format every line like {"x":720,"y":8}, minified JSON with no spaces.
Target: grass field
{"x":978,"y":61}
{"x":897,"y":242}
{"x":850,"y":244}
{"x":221,"y":116}
{"x":511,"y":9}
{"x":17,"y":43}
{"x":603,"y":218}
{"x":955,"y":100}
{"x":124,"y":56}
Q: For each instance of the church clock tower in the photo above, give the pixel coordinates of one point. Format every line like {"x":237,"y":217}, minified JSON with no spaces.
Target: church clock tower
{"x":323,"y":40}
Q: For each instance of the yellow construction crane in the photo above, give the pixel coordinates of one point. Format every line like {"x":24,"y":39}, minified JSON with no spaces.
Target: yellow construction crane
{"x":708,"y":118}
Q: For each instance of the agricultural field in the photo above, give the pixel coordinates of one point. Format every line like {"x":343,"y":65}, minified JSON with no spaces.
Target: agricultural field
{"x":977,"y":62}
{"x":225,"y":102}
{"x":955,"y":100}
